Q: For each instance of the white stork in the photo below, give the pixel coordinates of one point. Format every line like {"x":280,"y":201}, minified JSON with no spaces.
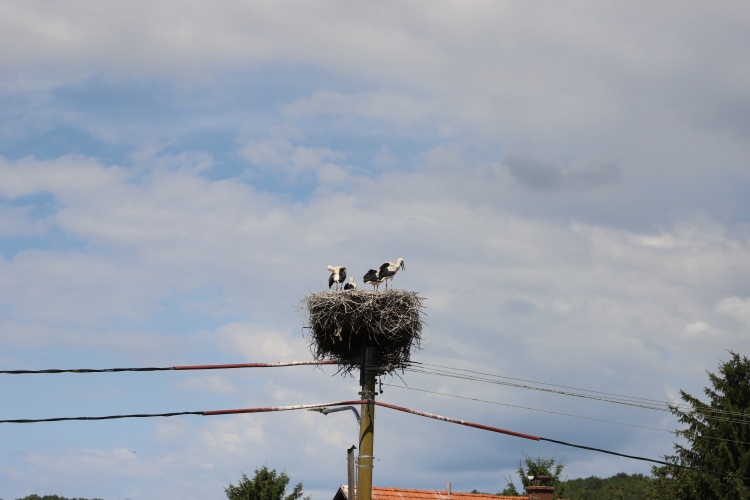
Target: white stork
{"x":389,"y":270}
{"x":373,"y":278}
{"x":338,"y":275}
{"x":351,"y":285}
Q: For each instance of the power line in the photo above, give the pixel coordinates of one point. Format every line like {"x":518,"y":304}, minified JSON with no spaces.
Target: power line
{"x":431,"y":369}
{"x":555,"y":412}
{"x":348,"y":403}
{"x":539,"y":438}
{"x":639,"y":402}
{"x":107,"y":417}
{"x":170,"y":368}
{"x":527,"y":408}
{"x":541,"y":383}
{"x":541,"y":389}
{"x":174,"y":414}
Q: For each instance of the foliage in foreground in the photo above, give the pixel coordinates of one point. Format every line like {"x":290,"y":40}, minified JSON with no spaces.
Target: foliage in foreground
{"x":718,"y":440}
{"x":265,"y":485}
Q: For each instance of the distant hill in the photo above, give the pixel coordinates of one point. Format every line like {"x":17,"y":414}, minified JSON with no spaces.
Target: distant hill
{"x":52,"y":497}
{"x":621,"y":486}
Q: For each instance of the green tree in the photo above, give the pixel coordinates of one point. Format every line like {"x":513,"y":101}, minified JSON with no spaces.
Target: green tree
{"x":265,"y":485}
{"x":718,"y":440}
{"x":535,"y":467}
{"x":621,"y":486}
{"x":510,"y":489}
{"x":51,"y":497}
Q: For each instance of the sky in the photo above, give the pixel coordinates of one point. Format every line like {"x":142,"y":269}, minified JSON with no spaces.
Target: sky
{"x":567,"y":182}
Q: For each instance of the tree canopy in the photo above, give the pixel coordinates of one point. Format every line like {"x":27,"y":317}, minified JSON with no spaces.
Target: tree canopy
{"x":51,"y":497}
{"x":265,"y":485}
{"x":621,"y":486}
{"x":715,"y":461}
{"x":535,"y":467}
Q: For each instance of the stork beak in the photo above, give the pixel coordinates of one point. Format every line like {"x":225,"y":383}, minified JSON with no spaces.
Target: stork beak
{"x":403,"y":266}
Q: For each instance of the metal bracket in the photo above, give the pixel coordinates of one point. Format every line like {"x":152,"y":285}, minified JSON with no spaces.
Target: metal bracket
{"x":368,"y":395}
{"x":366,"y":466}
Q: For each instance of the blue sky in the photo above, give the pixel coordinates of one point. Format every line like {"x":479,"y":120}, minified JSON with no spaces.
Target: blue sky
{"x":567,"y":183}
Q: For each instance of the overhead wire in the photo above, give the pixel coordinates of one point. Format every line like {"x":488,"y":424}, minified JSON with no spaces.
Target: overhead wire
{"x":527,"y":408}
{"x":441,"y":370}
{"x":319,"y":405}
{"x":645,"y":403}
{"x":563,"y":443}
{"x":170,"y":368}
{"x":174,"y":414}
{"x":433,"y":369}
{"x":340,"y":403}
{"x":538,"y":383}
{"x":554,"y":412}
{"x":530,"y":387}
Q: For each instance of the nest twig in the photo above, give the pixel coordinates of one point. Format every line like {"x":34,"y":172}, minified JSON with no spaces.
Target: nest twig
{"x":342,"y":324}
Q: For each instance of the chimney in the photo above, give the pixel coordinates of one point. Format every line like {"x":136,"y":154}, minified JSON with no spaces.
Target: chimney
{"x":540,"y":489}
{"x":448,"y":488}
{"x":351,"y":476}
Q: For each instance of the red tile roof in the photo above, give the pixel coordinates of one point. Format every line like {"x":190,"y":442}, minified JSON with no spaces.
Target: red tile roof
{"x":381,"y":493}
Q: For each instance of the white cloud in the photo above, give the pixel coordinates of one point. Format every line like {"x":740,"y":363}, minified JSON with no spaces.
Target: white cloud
{"x":65,"y":177}
{"x":233,"y":436}
{"x":734,"y":307}
{"x":698,"y":331}
{"x":257,"y":342}
{"x":384,"y":106}
{"x":281,"y":155}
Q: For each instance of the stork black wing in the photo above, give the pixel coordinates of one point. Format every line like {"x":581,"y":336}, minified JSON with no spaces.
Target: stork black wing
{"x":371,"y":275}
{"x":384,"y":272}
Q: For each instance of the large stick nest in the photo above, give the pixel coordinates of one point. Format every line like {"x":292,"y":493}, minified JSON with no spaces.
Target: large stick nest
{"x":343,"y":323}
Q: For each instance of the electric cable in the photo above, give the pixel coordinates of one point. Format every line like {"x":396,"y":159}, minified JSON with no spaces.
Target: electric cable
{"x":171,"y":368}
{"x":541,"y":389}
{"x":557,"y":413}
{"x":645,"y":403}
{"x":528,"y":408}
{"x":542,"y":383}
{"x":178,"y":413}
{"x":540,"y":438}
{"x":348,"y":403}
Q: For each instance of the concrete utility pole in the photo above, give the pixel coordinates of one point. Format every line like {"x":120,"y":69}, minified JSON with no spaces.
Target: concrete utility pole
{"x":367,"y":425}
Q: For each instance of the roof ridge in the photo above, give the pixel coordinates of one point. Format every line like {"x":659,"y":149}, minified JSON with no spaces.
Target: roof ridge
{"x":434,"y":494}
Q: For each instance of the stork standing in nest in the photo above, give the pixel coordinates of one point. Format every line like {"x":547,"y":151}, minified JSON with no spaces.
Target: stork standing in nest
{"x":373,"y":278}
{"x":338,"y":275}
{"x":389,"y":269}
{"x":351,"y":285}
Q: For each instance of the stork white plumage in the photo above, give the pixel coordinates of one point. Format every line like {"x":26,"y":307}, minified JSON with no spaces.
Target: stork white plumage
{"x":372,"y":277}
{"x":338,"y":275}
{"x":389,"y":269}
{"x":351,"y":285}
